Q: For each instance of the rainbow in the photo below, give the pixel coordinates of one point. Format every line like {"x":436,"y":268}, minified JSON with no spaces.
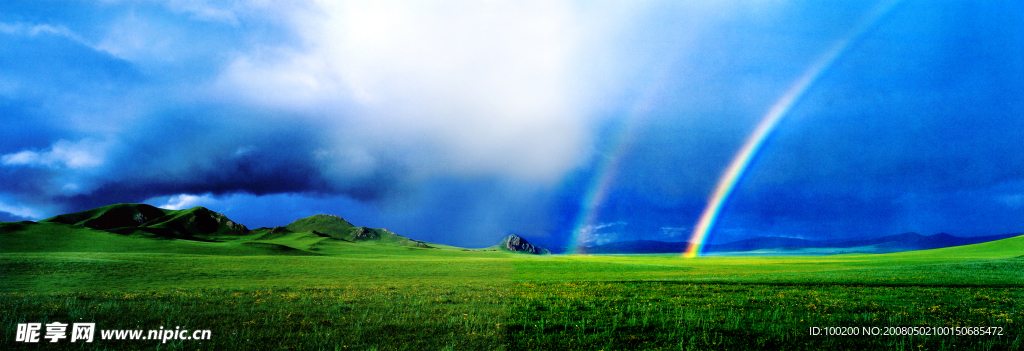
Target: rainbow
{"x":606,"y":173}
{"x":594,"y":197}
{"x":608,"y":168}
{"x":727,"y":182}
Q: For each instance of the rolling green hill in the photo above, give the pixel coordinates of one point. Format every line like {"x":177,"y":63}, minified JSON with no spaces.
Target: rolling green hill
{"x":144,"y":228}
{"x":338,"y":228}
{"x":1005,"y":248}
{"x":197,"y":223}
{"x":112,"y":216}
{"x":328,"y":224}
{"x":53,"y":237}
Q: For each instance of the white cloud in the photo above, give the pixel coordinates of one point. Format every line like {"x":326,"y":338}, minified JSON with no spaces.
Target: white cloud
{"x":73,"y":168}
{"x":183,"y":201}
{"x":204,"y":10}
{"x":1014,"y":201}
{"x":477,"y":88}
{"x":8,"y":28}
{"x":600,"y":234}
{"x":21,"y":211}
{"x":207,"y":10}
{"x":675,"y":232}
{"x":146,"y":38}
{"x":135,"y":38}
{"x":38,"y":29}
{"x":83,"y":154}
{"x":115,"y":44}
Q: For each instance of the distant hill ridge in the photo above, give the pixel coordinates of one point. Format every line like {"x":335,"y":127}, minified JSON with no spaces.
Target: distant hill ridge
{"x":338,"y":228}
{"x":196,"y":222}
{"x":204,"y":225}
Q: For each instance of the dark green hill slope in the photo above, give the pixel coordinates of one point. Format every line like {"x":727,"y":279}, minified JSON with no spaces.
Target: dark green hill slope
{"x":58,"y":237}
{"x":1005,"y":248}
{"x":334,"y":226}
{"x":196,"y":223}
{"x":112,"y":216}
{"x":338,"y":228}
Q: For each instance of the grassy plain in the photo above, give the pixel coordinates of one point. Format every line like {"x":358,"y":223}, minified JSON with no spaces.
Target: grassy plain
{"x":381,"y":297}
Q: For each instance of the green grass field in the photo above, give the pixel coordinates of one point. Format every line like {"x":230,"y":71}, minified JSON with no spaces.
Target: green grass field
{"x":280,"y":293}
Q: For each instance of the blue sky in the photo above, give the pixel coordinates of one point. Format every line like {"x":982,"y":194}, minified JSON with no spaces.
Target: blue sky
{"x":461,"y":122}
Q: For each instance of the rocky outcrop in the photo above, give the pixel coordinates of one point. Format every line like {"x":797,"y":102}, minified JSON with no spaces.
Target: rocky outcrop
{"x":364,"y":233}
{"x":516,"y":243}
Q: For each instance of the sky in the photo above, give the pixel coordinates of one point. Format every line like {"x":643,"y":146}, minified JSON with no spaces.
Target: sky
{"x":565,"y":122}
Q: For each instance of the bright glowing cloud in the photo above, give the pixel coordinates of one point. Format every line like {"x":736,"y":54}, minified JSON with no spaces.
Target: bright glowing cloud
{"x":488,"y":88}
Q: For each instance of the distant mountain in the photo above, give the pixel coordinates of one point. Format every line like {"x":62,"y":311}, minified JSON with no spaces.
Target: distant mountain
{"x":111,"y":217}
{"x":194,"y":223}
{"x":760,"y":243}
{"x":636,"y":246}
{"x":197,"y":221}
{"x":885,"y":244}
{"x":333,"y":226}
{"x":200,"y":223}
{"x":338,"y":228}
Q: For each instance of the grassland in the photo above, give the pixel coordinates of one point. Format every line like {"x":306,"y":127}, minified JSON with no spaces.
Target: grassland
{"x":367,"y":296}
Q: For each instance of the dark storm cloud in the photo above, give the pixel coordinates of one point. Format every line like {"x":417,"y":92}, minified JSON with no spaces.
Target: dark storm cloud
{"x":219,"y":154}
{"x":120,"y":111}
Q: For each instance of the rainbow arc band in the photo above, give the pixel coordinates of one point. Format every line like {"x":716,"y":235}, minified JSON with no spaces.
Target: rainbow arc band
{"x":608,"y":168}
{"x":738,"y":167}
